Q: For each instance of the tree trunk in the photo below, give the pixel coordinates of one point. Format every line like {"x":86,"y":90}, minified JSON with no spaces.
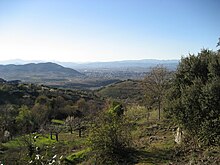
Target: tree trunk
{"x":57,"y":137}
{"x":30,"y":151}
{"x":71,"y":130}
{"x":51,"y":135}
{"x":159,"y":106}
{"x":80,"y":132}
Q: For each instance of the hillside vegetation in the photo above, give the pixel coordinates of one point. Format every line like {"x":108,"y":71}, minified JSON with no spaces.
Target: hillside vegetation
{"x":37,"y":72}
{"x":129,"y":91}
{"x":164,"y":118}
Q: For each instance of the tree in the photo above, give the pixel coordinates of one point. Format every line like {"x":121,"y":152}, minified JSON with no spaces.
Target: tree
{"x":194,"y":99}
{"x":78,"y":118}
{"x":218,"y":44}
{"x":70,"y":122}
{"x":25,"y":119}
{"x":156,"y":83}
{"x":82,"y":106}
{"x":27,"y":141}
{"x":40,"y":113}
{"x":42,"y":110}
{"x":8,"y":114}
{"x":75,"y":123}
{"x":79,"y":125}
{"x":57,"y":106}
{"x":54,"y":129}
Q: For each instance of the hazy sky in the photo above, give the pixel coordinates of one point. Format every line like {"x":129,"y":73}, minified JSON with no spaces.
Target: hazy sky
{"x":106,"y":30}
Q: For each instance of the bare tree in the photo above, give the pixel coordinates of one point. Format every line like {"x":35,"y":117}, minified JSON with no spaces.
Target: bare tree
{"x":79,"y":125}
{"x":155,"y":84}
{"x":54,"y":130}
{"x":70,"y":122}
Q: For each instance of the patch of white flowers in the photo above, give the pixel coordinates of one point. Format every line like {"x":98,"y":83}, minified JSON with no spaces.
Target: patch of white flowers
{"x":55,"y":160}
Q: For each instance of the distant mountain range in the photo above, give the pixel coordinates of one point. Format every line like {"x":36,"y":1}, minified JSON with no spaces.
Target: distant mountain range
{"x":126,"y":64}
{"x":20,"y":62}
{"x":170,"y":64}
{"x":37,"y":72}
{"x":86,"y":76}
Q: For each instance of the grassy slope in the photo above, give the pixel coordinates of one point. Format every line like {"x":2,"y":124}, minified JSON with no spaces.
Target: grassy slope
{"x":16,"y":149}
{"x":152,"y":139}
{"x":129,"y":91}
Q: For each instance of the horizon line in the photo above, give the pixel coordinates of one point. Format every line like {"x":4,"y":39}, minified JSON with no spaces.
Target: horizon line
{"x":81,"y":62}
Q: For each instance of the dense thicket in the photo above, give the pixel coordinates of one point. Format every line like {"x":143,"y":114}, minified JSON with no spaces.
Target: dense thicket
{"x":194,"y":99}
{"x":26,"y":108}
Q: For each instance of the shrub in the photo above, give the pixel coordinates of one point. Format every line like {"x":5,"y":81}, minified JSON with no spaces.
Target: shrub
{"x":110,"y":140}
{"x":194,"y":99}
{"x":77,"y":157}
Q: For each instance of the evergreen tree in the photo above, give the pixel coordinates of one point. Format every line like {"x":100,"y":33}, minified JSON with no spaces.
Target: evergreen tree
{"x":194,"y":99}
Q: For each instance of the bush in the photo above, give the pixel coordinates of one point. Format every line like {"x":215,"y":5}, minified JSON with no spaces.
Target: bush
{"x":194,"y":99}
{"x":110,"y":140}
{"x":77,"y":157}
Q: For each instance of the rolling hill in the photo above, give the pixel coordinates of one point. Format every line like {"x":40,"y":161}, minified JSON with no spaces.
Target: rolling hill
{"x":37,"y":72}
{"x":128,"y":91}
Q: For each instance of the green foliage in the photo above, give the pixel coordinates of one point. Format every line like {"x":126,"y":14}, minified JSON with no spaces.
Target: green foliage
{"x":44,"y":141}
{"x":77,"y":157}
{"x":28,"y":108}
{"x":109,"y":140}
{"x":8,"y":114}
{"x":55,"y":121}
{"x":41,"y":114}
{"x":194,"y":99}
{"x":218,"y":44}
{"x":42,"y":100}
{"x":25,"y":119}
{"x":116,"y":109}
{"x":129,"y":91}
